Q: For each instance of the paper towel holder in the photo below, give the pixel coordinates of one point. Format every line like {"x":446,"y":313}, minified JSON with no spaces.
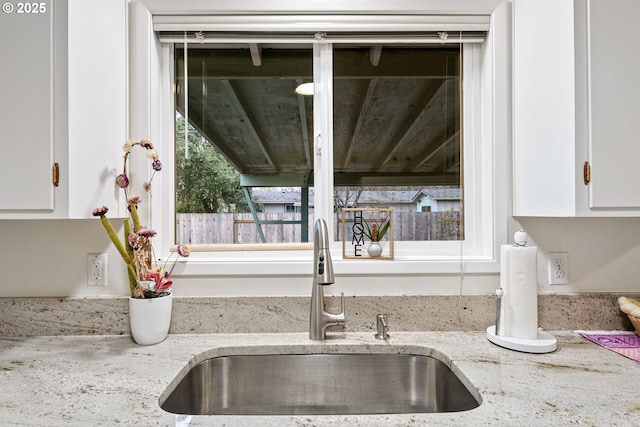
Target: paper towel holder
{"x":544,"y":342}
{"x":520,"y":238}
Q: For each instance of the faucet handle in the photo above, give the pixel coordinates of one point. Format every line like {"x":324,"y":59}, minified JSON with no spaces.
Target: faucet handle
{"x":341,"y":316}
{"x":338,"y":318}
{"x":382,"y":326}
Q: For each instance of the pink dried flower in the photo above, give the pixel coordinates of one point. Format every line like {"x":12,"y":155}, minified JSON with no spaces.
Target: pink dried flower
{"x":156,"y":165}
{"x":131,"y":238}
{"x":183,"y":251}
{"x":101,"y":211}
{"x":162,"y":283}
{"x":134,"y":200}
{"x":146,"y":232}
{"x":122,"y":180}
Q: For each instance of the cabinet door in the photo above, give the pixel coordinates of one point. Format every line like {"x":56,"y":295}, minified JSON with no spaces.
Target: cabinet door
{"x":613,"y":59}
{"x":543,"y":108}
{"x":97,"y":108}
{"x":26,"y":107}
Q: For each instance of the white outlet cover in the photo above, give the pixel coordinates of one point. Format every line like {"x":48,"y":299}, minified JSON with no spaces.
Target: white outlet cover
{"x":97,"y":270}
{"x":558,"y":275}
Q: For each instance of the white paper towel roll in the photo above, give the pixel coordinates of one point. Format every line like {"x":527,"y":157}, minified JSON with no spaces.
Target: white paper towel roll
{"x":519,"y":317}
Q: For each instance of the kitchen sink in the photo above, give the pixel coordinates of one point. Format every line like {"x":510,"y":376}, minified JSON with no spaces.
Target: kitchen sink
{"x":319,"y":384}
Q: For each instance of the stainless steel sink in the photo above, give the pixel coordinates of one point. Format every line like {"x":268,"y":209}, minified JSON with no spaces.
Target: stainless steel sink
{"x":319,"y":384}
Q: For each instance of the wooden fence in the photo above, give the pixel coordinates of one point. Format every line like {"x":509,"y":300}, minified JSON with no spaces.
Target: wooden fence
{"x":240,"y":228}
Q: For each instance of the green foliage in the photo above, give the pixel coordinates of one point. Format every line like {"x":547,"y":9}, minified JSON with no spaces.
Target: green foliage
{"x":205,"y":181}
{"x":377,"y":230}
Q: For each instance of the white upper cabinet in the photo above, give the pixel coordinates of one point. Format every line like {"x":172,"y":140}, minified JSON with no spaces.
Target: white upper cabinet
{"x":26,"y":107}
{"x":613,"y":74}
{"x":575,"y":91}
{"x":64,"y":105}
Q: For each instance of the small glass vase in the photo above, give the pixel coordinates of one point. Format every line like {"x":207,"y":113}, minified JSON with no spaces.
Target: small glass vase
{"x":374,"y":249}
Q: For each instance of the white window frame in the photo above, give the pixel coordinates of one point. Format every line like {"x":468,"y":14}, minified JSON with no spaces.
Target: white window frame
{"x":485,"y":203}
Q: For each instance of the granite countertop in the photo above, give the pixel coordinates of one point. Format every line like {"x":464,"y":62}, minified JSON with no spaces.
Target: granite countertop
{"x":109,"y":380}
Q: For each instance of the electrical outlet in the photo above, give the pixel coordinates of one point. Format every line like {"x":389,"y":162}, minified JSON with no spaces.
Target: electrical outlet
{"x":558,"y":268}
{"x":97,"y":270}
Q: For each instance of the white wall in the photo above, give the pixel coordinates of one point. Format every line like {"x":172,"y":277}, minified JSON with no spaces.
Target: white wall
{"x":603,"y":252}
{"x":49,"y":257}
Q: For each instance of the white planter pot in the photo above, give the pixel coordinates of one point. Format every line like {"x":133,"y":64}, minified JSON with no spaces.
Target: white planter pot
{"x":150,"y":319}
{"x":374,"y":249}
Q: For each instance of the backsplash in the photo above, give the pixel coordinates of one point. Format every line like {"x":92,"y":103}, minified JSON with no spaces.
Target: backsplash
{"x":204,"y":315}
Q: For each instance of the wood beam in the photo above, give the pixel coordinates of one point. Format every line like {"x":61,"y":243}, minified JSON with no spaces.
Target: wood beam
{"x":256,"y":54}
{"x":212,"y":136}
{"x":362,"y":116}
{"x":293,"y":179}
{"x":240,"y":106}
{"x":374,"y":55}
{"x":425,"y":98}
{"x":397,"y":178}
{"x":232,"y":64}
{"x":431,"y":151}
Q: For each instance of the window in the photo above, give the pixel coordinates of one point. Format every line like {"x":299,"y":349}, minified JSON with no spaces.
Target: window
{"x":396,"y":140}
{"x":476,"y":176}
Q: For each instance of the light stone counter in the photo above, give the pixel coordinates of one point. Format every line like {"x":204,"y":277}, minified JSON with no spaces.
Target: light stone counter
{"x":110,"y":381}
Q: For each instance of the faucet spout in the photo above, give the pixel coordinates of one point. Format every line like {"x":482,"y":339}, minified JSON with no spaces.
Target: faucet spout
{"x":320,"y":319}
{"x":322,"y":257}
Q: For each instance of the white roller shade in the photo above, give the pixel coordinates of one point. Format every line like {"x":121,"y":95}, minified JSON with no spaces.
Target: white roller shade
{"x":335,"y":28}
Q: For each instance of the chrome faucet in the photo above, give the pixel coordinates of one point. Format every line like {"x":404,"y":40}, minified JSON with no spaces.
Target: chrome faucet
{"x":322,"y":276}
{"x":383,"y":326}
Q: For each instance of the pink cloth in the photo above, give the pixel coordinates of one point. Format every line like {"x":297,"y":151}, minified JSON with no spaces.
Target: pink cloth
{"x":624,"y":343}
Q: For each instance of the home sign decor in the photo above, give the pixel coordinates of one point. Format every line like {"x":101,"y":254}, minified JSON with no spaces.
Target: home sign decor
{"x":367,"y":233}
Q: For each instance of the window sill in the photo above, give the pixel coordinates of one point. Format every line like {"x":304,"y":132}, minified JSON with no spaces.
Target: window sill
{"x":301,"y":266}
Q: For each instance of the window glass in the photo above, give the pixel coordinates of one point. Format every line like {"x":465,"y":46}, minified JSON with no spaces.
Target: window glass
{"x":245,"y":174}
{"x":397,"y":123}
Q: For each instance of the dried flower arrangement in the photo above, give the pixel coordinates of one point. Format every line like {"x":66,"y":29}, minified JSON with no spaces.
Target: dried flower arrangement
{"x":146,"y":278}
